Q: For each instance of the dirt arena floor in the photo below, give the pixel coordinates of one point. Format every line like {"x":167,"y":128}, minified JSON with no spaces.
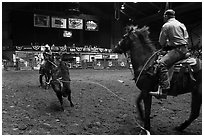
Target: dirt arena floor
{"x":103,"y":102}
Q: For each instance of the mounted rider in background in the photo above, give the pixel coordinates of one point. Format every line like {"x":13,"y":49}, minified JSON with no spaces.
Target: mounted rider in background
{"x":173,"y":37}
{"x":46,"y":54}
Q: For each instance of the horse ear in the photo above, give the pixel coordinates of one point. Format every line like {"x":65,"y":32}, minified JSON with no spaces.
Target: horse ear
{"x":135,"y":27}
{"x":146,"y":27}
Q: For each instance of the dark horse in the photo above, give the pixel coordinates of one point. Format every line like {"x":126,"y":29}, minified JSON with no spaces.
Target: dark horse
{"x":61,"y":81}
{"x":45,"y":71}
{"x":143,"y":56}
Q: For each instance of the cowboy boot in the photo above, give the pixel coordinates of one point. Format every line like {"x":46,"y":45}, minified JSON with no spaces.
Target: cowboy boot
{"x":164,"y":84}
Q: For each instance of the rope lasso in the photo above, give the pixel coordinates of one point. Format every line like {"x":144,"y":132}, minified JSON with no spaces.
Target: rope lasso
{"x":107,"y":89}
{"x":147,"y":132}
{"x":146,"y":64}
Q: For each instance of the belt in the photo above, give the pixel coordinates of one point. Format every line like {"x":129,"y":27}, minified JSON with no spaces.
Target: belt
{"x":179,"y":46}
{"x":174,"y":47}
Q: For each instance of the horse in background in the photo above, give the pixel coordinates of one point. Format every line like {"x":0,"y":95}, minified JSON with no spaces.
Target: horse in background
{"x":143,"y":56}
{"x":61,"y":81}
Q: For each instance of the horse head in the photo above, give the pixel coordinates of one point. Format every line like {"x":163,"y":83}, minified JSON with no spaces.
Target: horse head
{"x":124,"y":44}
{"x":56,"y":66}
{"x":57,"y":59}
{"x":59,"y":66}
{"x":137,"y":42}
{"x":134,"y":38}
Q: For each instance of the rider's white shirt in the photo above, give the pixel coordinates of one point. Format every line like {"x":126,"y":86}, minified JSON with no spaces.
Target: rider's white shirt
{"x":174,"y":32}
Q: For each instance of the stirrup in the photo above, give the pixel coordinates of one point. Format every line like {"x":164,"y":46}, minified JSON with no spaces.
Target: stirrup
{"x":159,"y":93}
{"x":155,"y":93}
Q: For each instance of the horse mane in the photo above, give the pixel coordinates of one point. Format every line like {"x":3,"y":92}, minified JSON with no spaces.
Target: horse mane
{"x":143,"y":35}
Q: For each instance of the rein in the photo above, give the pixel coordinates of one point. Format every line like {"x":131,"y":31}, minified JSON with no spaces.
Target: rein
{"x":53,"y":63}
{"x":60,"y":80}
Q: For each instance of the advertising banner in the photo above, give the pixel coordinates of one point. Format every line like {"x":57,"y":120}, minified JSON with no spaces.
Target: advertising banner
{"x":36,"y":47}
{"x":99,"y":64}
{"x":99,"y":56}
{"x":75,"y":23}
{"x":91,"y":25}
{"x":19,"y":47}
{"x":55,"y":48}
{"x":41,"y":20}
{"x":28,"y":48}
{"x":59,"y":22}
{"x":112,"y":64}
{"x":63,"y":48}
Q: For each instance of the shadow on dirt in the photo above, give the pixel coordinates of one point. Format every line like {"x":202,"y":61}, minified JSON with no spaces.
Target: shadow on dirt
{"x":128,"y":127}
{"x":53,"y":107}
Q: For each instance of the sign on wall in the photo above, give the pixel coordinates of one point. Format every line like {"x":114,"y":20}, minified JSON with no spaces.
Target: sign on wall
{"x":41,"y":20}
{"x":59,"y":22}
{"x":67,"y":34}
{"x":91,"y":25}
{"x":75,"y":23}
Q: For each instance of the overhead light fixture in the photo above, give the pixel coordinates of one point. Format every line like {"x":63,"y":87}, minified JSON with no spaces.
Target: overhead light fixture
{"x":123,"y":6}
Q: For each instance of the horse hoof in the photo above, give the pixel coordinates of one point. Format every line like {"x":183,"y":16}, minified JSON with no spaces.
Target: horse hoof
{"x":64,"y":94}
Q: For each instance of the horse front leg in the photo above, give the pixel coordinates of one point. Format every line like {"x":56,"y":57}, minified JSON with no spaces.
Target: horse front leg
{"x":147,"y":106}
{"x":47,"y":81}
{"x":70,"y":100}
{"x":40,"y":79}
{"x":139,"y":106}
{"x":59,"y":96}
{"x":68,"y":91}
{"x":57,"y":89}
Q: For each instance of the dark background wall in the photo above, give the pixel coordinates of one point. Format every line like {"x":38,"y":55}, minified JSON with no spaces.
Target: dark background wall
{"x":24,"y":32}
{"x":18,"y":28}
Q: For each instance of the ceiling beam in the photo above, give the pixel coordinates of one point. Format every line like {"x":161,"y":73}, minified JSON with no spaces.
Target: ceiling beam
{"x":135,"y":10}
{"x":94,"y":10}
{"x":179,"y":10}
{"x":154,"y":5}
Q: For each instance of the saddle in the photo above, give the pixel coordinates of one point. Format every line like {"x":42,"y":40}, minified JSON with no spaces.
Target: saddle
{"x":189,"y":65}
